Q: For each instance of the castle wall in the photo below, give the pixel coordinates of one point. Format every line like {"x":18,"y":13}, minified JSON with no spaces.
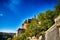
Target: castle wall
{"x":52,"y":33}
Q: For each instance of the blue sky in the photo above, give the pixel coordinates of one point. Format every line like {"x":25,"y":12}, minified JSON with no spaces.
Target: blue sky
{"x":14,"y":12}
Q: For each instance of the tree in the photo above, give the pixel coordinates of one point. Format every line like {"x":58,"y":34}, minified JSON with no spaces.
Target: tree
{"x":9,"y":39}
{"x":57,"y":8}
{"x":33,"y":29}
{"x":23,"y":37}
{"x":47,"y":18}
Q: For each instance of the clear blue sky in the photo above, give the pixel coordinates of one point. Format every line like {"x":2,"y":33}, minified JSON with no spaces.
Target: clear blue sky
{"x":14,"y":12}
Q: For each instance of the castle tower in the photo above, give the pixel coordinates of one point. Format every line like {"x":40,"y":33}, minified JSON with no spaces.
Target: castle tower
{"x":25,"y":23}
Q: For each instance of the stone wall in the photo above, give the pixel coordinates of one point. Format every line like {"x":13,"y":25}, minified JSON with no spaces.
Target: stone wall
{"x":34,"y":38}
{"x":52,"y":33}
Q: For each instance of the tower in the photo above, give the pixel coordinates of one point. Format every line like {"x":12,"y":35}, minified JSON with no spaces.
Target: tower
{"x":25,"y":23}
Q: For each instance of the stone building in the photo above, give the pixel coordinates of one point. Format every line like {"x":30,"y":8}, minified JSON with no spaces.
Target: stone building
{"x":21,"y":30}
{"x":25,"y":23}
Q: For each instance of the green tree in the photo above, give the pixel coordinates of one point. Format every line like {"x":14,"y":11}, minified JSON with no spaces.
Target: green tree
{"x":23,"y":37}
{"x":33,"y":29}
{"x":47,"y":18}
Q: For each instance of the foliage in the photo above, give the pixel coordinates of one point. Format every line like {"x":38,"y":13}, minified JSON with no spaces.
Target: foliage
{"x":46,"y":20}
{"x":9,"y":39}
{"x":21,"y":37}
{"x":33,"y":29}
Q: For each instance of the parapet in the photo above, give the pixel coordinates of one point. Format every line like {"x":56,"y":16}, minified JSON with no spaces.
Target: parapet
{"x":57,"y":21}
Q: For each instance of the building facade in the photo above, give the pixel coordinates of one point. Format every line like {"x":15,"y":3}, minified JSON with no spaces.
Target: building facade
{"x":21,"y":30}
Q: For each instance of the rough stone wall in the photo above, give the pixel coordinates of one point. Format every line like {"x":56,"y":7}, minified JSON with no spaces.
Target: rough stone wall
{"x":59,"y":32}
{"x":24,"y":26}
{"x":52,"y":33}
{"x":34,"y":38}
